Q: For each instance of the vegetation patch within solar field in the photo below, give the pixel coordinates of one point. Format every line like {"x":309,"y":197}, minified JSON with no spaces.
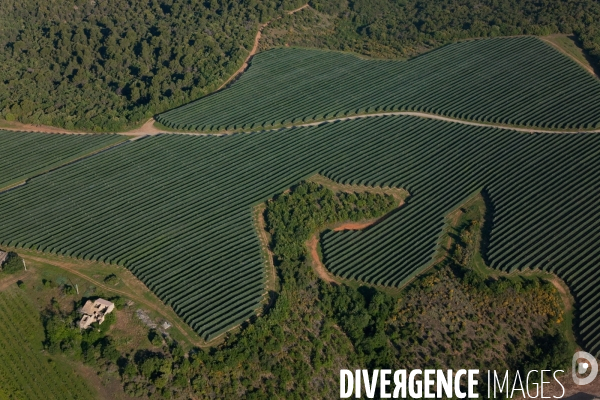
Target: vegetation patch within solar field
{"x":25,"y":154}
{"x":518,"y":81}
{"x":177,"y":210}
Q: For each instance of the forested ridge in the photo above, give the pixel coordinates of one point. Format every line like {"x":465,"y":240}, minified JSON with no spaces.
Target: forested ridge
{"x":99,"y":65}
{"x":103,"y":65}
{"x":404,"y":28}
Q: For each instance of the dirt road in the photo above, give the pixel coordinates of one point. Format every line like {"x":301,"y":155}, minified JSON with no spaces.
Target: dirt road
{"x":318,"y":266}
{"x":72,"y":268}
{"x":255,"y":47}
{"x":148,"y":127}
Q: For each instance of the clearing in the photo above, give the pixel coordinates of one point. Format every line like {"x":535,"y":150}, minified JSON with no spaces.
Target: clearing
{"x":88,"y":274}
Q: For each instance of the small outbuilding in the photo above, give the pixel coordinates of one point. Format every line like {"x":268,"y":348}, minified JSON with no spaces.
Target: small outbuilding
{"x":95,"y":311}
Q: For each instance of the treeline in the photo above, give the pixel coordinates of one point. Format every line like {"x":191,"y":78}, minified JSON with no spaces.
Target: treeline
{"x":589,"y":40}
{"x":108,"y":65}
{"x":451,"y":317}
{"x":388,"y":29}
{"x":293,"y":218}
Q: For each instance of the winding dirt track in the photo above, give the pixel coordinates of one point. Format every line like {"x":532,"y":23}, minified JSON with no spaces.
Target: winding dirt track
{"x":255,"y":47}
{"x":148,"y":127}
{"x":72,"y":268}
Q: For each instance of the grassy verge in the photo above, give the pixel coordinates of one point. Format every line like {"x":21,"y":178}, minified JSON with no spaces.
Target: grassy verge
{"x":89,"y":277}
{"x":567,"y":44}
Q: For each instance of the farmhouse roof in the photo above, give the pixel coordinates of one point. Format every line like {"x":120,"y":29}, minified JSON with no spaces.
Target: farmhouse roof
{"x":95,"y":311}
{"x":103,"y":302}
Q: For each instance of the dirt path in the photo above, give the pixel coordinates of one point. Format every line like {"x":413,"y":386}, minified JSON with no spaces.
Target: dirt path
{"x":353,"y":226}
{"x":318,"y":265}
{"x":72,"y":268}
{"x":393,"y":113}
{"x":313,"y":242}
{"x":11,"y":280}
{"x":565,"y":52}
{"x":17,"y":126}
{"x":148,"y":127}
{"x":564,"y":293}
{"x":254,"y":49}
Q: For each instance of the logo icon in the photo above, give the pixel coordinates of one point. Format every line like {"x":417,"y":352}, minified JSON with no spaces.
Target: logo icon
{"x":581,"y":367}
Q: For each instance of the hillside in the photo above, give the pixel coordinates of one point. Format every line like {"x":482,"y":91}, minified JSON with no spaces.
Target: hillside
{"x":314,"y":328}
{"x":109,"y":65}
{"x":516,"y":81}
{"x":176,"y":210}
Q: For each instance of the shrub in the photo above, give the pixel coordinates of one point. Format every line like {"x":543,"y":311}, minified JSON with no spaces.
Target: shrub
{"x":69,"y":290}
{"x":13,"y":263}
{"x":111,"y":279}
{"x":48,"y":284}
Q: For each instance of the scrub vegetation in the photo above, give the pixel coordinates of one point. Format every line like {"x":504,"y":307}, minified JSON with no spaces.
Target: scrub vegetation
{"x":392,"y":29}
{"x":438,"y":321}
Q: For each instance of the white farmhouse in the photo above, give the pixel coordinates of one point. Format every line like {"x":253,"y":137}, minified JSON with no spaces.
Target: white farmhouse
{"x":95,"y":311}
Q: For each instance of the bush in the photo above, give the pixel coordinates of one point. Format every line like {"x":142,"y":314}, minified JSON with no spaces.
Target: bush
{"x":69,"y":290}
{"x":134,"y":389}
{"x":111,"y":279}
{"x":48,"y":284}
{"x":13,"y":263}
{"x":119,"y":302}
{"x":155,"y":338}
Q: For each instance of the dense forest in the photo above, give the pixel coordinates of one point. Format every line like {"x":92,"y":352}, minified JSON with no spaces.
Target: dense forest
{"x":589,"y":39}
{"x":99,"y":65}
{"x":314,"y":329}
{"x":404,"y":28}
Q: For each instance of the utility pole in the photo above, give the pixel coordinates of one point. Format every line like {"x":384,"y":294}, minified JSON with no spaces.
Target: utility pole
{"x":74,"y":285}
{"x":24,"y":265}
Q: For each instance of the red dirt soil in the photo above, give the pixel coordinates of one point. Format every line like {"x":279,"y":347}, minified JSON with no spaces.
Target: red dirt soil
{"x":354,"y":225}
{"x":318,"y":265}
